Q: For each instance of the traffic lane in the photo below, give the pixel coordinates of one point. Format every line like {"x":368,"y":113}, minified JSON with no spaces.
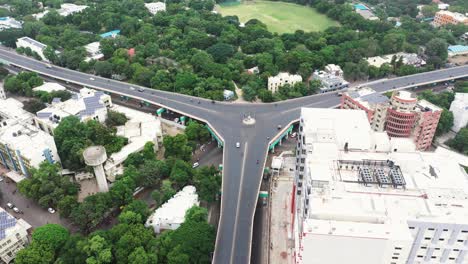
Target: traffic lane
{"x":232,"y":164}
{"x":260,"y":219}
{"x":32,"y":213}
{"x":249,"y":196}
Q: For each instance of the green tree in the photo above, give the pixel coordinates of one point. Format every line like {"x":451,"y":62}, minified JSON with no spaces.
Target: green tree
{"x":53,"y":236}
{"x":140,"y":256}
{"x":197,"y":132}
{"x":176,"y":147}
{"x":445,"y":122}
{"x":167,"y":190}
{"x":460,"y":142}
{"x":115,"y":119}
{"x":33,"y":106}
{"x":35,"y":254}
{"x":151,"y":172}
{"x":436,"y":50}
{"x":208,"y":183}
{"x":196,"y":214}
{"x":98,"y":251}
{"x":103,"y":68}
{"x":181,"y":173}
{"x":221,"y":52}
{"x":139,"y":207}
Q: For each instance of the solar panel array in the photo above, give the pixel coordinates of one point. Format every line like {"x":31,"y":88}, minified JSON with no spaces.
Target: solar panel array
{"x":91,"y":105}
{"x":6,"y":221}
{"x":382,"y":178}
{"x":44,"y":114}
{"x":397,"y":176}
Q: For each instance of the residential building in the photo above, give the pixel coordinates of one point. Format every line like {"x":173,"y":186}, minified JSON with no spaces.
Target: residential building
{"x":459,"y":108}
{"x":22,"y":145}
{"x":154,"y":8}
{"x":444,"y":17}
{"x":34,"y":45}
{"x":334,"y":70}
{"x":69,"y":9}
{"x":88,"y":104}
{"x":110,"y":34}
{"x":13,"y":236}
{"x":456,"y":50}
{"x":140,"y":129}
{"x":283,"y":78}
{"x":49,"y":87}
{"x":412,"y":59}
{"x":171,"y":214}
{"x":331,"y":78}
{"x":443,"y":6}
{"x":374,"y":199}
{"x":401,"y":116}
{"x":253,"y":70}
{"x":9,"y":22}
{"x":94,"y":51}
{"x":365,"y":12}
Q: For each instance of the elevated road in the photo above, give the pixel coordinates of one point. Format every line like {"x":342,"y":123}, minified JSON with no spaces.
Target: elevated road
{"x":241,"y":173}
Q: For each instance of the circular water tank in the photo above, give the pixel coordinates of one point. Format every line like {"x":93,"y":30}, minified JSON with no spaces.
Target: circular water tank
{"x":94,"y":155}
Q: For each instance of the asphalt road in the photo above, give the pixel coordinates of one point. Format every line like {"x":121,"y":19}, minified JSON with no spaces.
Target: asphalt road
{"x":241,"y":175}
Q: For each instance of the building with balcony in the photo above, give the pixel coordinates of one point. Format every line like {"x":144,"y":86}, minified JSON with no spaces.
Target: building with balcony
{"x":22,"y":145}
{"x":331,"y":78}
{"x":13,"y":236}
{"x":362,"y":197}
{"x":459,"y":108}
{"x":444,"y":17}
{"x":283,"y":78}
{"x":412,"y":59}
{"x":88,"y":104}
{"x":401,"y":116}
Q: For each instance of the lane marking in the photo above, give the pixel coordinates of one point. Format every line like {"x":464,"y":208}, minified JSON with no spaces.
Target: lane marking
{"x":238,"y":201}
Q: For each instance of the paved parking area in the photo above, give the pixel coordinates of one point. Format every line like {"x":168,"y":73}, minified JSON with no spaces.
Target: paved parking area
{"x":32,"y":213}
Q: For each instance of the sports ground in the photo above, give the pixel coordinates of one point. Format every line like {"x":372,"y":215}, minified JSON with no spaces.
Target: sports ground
{"x":279,"y":17}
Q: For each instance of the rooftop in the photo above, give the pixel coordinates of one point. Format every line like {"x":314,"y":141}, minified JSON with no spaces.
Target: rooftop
{"x":33,"y":42}
{"x":109,"y":34}
{"x":9,"y":224}
{"x":50,"y":87}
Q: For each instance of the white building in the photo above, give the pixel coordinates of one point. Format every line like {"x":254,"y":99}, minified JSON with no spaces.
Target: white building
{"x":88,"y":104}
{"x":334,"y":70}
{"x":362,"y":198}
{"x":22,"y":145}
{"x":154,"y":8}
{"x":283,"y":78}
{"x":94,"y":51}
{"x":13,"y":235}
{"x":459,"y":108}
{"x":69,"y":9}
{"x":443,"y":6}
{"x":49,"y":87}
{"x":228,"y":94}
{"x":332,"y":80}
{"x":9,"y":22}
{"x":171,"y":215}
{"x":34,"y":45}
{"x":407,"y":58}
{"x":140,"y":129}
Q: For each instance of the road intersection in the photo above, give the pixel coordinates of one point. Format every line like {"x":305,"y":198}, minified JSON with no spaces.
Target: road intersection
{"x":242,"y":174}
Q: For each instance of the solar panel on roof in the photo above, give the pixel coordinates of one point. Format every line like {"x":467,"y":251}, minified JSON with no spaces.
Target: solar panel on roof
{"x":375,"y":98}
{"x":44,"y":114}
{"x":6,"y":221}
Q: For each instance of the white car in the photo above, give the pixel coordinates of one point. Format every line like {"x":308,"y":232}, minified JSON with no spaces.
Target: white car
{"x":237,"y":145}
{"x":10,"y":205}
{"x":16,"y":210}
{"x":51,"y":210}
{"x":293,"y":135}
{"x":132,"y":88}
{"x":91,"y":78}
{"x":196,"y":164}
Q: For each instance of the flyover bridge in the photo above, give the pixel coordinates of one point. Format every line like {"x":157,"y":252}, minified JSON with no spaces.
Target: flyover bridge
{"x":241,"y":174}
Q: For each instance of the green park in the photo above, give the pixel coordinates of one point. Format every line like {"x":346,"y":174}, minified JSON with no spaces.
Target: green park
{"x":279,"y":17}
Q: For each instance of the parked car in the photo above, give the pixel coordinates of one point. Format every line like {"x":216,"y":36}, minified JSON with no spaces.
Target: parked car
{"x":293,"y":135}
{"x":10,"y":205}
{"x":16,"y":210}
{"x":237,"y":145}
{"x":196,"y":164}
{"x":51,"y":210}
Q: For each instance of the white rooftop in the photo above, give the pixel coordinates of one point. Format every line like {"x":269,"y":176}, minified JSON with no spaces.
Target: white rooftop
{"x":12,"y":109}
{"x":172,"y":213}
{"x":50,"y":87}
{"x":435,"y":186}
{"x":9,"y":22}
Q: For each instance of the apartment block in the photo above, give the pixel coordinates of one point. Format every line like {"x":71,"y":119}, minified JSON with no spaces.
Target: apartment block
{"x":401,"y":116}
{"x":362,"y":197}
{"x":331,"y":78}
{"x":13,"y":236}
{"x":444,"y":17}
{"x":283,"y":78}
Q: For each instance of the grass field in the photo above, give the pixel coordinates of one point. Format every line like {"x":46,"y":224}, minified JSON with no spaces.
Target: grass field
{"x":279,"y":16}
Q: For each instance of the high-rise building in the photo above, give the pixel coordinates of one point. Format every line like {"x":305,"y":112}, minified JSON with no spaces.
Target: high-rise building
{"x":361,"y":197}
{"x":400,"y":116}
